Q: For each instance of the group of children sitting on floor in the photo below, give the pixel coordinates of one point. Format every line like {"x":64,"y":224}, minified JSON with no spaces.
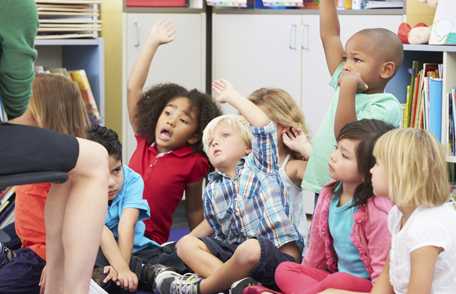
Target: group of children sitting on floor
{"x":382,"y":222}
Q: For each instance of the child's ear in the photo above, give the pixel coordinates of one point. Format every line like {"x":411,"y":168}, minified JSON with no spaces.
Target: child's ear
{"x":388,"y":70}
{"x":193,"y":139}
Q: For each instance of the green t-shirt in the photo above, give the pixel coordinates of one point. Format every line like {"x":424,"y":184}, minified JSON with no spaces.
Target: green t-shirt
{"x":381,"y":106}
{"x":18,"y":27}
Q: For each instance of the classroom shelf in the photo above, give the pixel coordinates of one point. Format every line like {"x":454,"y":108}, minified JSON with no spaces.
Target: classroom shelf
{"x":74,"y":54}
{"x":430,"y":48}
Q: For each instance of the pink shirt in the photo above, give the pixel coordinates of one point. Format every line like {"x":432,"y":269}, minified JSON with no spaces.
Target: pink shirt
{"x":370,"y":234}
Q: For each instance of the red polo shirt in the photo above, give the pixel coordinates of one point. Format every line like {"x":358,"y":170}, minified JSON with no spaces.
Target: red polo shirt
{"x":165,"y":177}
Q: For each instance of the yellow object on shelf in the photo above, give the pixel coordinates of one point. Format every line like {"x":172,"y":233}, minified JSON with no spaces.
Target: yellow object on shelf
{"x":418,"y":11}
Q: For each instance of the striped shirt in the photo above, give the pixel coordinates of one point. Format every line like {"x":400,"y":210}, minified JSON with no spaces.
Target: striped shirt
{"x":252,"y":204}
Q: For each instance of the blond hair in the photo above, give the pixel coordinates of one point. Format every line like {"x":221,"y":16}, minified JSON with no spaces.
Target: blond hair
{"x":232,"y":120}
{"x":415,"y":167}
{"x":56,"y":104}
{"x":280,"y":107}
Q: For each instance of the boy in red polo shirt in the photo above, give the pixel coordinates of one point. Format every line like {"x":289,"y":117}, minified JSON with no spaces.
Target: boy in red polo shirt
{"x":168,"y":122}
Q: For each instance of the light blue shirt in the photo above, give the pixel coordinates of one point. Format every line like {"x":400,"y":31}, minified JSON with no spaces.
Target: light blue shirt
{"x":130,"y":196}
{"x":340,"y":227}
{"x":381,"y":106}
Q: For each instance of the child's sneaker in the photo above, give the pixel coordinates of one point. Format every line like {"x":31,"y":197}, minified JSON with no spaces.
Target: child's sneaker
{"x":169,"y":282}
{"x":239,"y":286}
{"x":149,"y":273}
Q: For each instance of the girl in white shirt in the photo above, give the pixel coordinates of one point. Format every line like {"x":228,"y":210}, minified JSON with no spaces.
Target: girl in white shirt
{"x":411,"y":170}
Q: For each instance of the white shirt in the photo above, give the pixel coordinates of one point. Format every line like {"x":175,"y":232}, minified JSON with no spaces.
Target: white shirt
{"x":425,"y":227}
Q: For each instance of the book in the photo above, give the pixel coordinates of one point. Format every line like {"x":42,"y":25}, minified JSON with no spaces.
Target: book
{"x":435,"y":107}
{"x":384,"y":4}
{"x":80,"y":77}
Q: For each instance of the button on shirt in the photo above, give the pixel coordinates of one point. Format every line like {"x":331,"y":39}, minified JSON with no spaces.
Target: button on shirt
{"x":253,"y":203}
{"x":166,"y":176}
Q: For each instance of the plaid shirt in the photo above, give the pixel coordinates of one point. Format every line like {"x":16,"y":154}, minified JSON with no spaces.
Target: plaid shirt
{"x":253,"y":203}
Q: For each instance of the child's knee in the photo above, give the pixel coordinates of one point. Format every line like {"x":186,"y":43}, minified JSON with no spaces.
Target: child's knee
{"x":248,"y":253}
{"x":187,"y":244}
{"x":286,"y":267}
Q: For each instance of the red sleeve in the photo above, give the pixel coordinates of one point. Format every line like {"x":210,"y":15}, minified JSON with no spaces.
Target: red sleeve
{"x":199,"y":170}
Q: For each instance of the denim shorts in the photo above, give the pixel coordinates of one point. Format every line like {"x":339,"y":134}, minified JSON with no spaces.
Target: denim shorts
{"x":270,"y":258}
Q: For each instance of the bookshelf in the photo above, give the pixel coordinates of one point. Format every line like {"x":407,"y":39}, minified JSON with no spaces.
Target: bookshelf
{"x":445,"y":55}
{"x":74,"y":54}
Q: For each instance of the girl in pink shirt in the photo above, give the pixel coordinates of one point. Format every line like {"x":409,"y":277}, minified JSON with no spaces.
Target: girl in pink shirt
{"x":349,"y":238}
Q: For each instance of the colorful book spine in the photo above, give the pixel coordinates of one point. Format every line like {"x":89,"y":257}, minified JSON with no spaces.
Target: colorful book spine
{"x":435,"y":107}
{"x":80,"y":77}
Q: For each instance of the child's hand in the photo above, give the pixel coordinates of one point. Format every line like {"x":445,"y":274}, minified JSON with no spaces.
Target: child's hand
{"x":352,"y":79}
{"x":42,"y":283}
{"x":111,"y":274}
{"x":162,"y":32}
{"x":224,"y":91}
{"x":127,"y":280}
{"x":296,"y":140}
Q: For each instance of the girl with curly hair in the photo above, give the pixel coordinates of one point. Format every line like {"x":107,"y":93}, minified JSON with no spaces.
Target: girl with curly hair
{"x":168,"y":122}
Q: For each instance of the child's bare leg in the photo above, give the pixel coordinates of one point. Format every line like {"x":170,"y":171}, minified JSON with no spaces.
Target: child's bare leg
{"x":197,"y":256}
{"x":239,"y":266}
{"x":83,"y":217}
{"x":55,"y":210}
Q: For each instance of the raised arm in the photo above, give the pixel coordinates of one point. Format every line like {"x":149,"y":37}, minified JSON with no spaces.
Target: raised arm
{"x":161,"y":33}
{"x":225,"y":93}
{"x":330,"y":34}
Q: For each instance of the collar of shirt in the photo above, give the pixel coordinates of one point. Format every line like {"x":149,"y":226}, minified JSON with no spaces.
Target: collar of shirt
{"x":179,"y":152}
{"x":215,"y":175}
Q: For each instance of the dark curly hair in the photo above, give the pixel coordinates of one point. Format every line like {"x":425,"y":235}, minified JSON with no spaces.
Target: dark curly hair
{"x":154,"y":100}
{"x":108,"y":139}
{"x":366,"y":131}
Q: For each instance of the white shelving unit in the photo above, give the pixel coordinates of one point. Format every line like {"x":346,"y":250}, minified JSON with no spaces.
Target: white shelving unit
{"x":74,"y":54}
{"x":445,"y":55}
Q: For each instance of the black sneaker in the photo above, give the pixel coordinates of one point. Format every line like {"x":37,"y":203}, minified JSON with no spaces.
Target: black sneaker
{"x":148,"y":274}
{"x":239,"y":286}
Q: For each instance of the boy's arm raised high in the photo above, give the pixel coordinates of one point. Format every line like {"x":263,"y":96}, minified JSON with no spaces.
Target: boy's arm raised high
{"x":161,"y":33}
{"x":227,"y":94}
{"x":330,"y":34}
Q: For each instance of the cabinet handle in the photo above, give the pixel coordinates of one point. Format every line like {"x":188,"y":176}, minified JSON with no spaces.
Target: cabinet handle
{"x":305,"y":37}
{"x":292,"y":43}
{"x":137,"y":42}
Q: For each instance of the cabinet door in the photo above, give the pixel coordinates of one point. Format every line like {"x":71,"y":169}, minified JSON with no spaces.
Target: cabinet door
{"x":182,"y":61}
{"x":254,"y":51}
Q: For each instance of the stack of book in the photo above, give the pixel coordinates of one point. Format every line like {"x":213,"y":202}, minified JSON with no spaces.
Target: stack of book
{"x":384,"y":4}
{"x":423,"y":108}
{"x":80,"y":78}
{"x":65,"y":19}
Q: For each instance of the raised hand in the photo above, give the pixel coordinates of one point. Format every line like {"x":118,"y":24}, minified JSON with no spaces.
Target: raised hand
{"x":162,"y":32}
{"x":297,"y":141}
{"x":224,"y":91}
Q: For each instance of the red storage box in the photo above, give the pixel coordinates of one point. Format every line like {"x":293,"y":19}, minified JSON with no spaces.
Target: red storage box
{"x":156,"y":3}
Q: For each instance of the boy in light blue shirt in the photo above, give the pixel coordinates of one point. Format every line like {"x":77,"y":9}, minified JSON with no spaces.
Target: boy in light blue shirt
{"x":360,"y":72}
{"x":126,"y":254}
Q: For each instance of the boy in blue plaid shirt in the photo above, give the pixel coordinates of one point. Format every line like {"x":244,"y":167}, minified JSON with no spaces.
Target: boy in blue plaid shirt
{"x":247,"y":230}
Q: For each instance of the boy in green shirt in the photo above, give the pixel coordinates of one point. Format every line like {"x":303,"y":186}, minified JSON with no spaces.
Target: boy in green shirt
{"x":360,"y":72}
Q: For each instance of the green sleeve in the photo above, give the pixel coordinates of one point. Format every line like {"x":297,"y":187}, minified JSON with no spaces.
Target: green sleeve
{"x":18,"y":27}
